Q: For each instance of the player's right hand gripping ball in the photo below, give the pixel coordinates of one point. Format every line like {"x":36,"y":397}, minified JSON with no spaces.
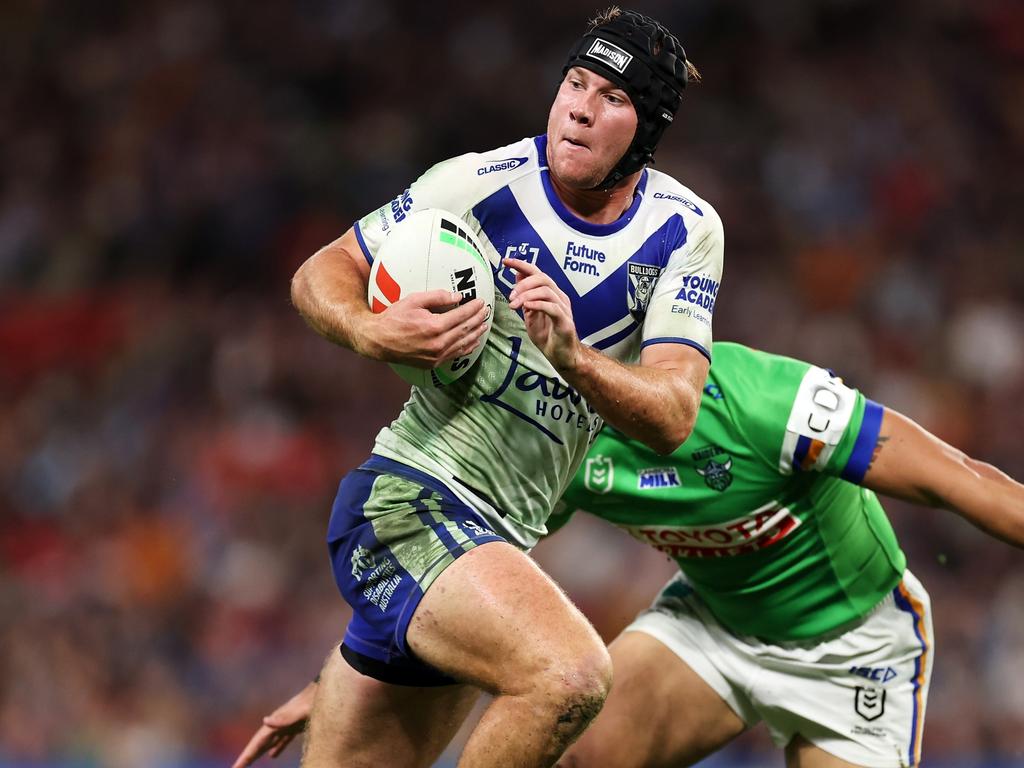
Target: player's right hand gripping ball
{"x":429,"y":250}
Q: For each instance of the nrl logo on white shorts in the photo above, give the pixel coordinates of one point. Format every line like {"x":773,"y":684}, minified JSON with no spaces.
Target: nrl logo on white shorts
{"x":869,"y":703}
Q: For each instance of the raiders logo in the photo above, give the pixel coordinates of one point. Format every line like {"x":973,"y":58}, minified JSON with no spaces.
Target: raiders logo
{"x":718,"y":476}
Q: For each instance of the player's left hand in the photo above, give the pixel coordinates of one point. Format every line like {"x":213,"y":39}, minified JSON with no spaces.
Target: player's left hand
{"x":279,"y":728}
{"x":547,"y":312}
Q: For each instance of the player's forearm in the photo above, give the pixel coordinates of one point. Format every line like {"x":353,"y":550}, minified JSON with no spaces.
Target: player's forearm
{"x":988,"y":498}
{"x":657,"y":407}
{"x":330,"y":294}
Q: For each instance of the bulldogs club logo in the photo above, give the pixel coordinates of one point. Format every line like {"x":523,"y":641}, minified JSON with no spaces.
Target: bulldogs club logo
{"x":640,"y":288}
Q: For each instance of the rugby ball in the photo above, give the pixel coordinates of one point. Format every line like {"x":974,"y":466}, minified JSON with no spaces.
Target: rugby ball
{"x":428,"y":250}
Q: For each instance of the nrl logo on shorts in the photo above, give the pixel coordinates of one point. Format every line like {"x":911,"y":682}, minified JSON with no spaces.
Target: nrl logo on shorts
{"x":598,"y":474}
{"x":869,"y":703}
{"x":642,"y":278}
{"x":362,"y":560}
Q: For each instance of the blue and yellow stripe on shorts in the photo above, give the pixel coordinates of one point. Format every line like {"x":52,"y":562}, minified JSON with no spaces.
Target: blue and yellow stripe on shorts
{"x":907,"y":602}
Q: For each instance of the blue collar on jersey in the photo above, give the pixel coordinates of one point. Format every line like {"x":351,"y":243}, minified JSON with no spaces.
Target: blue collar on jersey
{"x":581,"y":225}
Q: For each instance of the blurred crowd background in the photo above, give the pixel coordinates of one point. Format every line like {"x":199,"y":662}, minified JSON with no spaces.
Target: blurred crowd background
{"x":171,"y":435}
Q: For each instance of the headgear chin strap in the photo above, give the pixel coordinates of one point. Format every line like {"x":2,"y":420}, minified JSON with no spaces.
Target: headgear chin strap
{"x":648,"y":62}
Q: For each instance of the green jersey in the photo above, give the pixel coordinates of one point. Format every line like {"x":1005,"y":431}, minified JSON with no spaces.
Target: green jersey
{"x":760,"y":506}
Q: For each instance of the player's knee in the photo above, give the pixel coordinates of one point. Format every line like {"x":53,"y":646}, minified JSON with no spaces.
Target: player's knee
{"x":578,"y":692}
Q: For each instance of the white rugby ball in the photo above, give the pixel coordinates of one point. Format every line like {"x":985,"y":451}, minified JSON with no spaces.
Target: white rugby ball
{"x":429,"y":250}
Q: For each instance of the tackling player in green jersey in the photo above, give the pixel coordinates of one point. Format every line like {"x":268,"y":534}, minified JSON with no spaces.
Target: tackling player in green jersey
{"x":793,"y":604}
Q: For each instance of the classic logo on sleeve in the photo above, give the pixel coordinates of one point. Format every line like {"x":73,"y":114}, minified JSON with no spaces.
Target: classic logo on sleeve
{"x":501,"y":165}
{"x":678,"y":199}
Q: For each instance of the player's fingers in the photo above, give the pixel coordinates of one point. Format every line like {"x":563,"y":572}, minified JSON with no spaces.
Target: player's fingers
{"x":539,"y":293}
{"x":465,"y":343}
{"x":470,"y":312}
{"x":281,"y":719}
{"x":282,"y":745}
{"x":549,"y":308}
{"x":257,"y":745}
{"x":470,"y":343}
{"x":521,"y":267}
{"x":433,"y":300}
{"x":448,"y":332}
{"x":533,"y":281}
{"x":288,"y":714}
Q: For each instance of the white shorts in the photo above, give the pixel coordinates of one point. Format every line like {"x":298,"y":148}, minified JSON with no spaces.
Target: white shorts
{"x":859,"y":695}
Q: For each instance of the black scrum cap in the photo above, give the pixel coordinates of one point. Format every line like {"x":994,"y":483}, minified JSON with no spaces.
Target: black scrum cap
{"x":648,"y":62}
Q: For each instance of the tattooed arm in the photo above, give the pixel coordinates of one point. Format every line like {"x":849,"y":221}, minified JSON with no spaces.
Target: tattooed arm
{"x":912,"y":464}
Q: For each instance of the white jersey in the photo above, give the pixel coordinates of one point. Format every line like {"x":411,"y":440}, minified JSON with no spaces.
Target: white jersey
{"x":509,"y":435}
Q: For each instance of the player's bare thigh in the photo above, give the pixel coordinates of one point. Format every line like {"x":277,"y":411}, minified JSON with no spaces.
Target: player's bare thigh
{"x":359,"y":721}
{"x":659,"y":712}
{"x":800,"y":753}
{"x":494,"y":618}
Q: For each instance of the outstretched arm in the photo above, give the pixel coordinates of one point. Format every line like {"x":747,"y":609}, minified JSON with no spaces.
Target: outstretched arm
{"x":912,"y":464}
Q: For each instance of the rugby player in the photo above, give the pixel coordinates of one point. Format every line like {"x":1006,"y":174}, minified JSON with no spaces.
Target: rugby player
{"x":793,"y":604}
{"x":606,"y":274}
